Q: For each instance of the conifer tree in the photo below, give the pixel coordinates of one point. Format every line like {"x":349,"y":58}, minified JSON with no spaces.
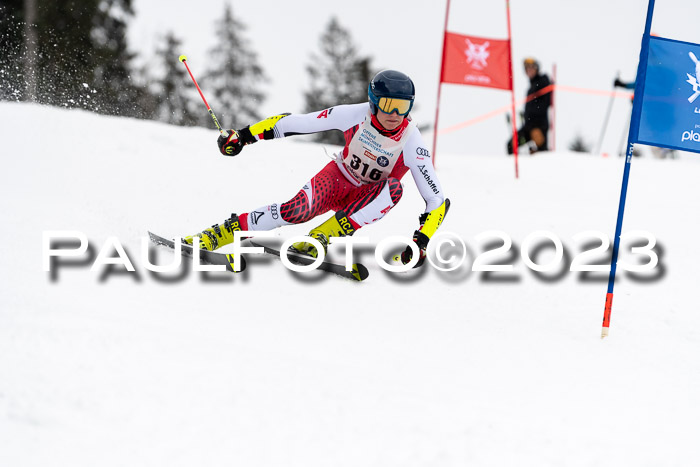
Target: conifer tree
{"x":579,"y":144}
{"x":61,"y":49}
{"x":173,"y":88}
{"x":11,"y":38}
{"x":234,"y":76}
{"x":114,"y":91}
{"x":79,"y":55}
{"x":338,"y":75}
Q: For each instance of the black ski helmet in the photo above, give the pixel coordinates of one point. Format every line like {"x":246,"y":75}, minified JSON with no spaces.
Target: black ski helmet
{"x":390,"y":83}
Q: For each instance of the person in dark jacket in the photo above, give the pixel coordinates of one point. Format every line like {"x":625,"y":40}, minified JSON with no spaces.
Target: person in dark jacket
{"x":533,"y":132}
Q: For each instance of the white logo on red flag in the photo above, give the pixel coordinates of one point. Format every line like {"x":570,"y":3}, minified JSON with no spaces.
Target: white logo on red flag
{"x":476,"y":61}
{"x":477,"y":54}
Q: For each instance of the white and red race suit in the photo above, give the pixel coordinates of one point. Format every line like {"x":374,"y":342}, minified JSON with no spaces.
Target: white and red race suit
{"x":364,"y":179}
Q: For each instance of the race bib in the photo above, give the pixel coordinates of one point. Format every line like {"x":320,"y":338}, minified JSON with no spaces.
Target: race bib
{"x":372,"y":156}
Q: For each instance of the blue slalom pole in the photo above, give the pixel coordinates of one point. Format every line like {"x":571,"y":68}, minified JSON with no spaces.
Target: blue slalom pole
{"x":631,"y":139}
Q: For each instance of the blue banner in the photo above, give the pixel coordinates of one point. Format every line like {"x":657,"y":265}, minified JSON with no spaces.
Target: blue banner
{"x":670,"y":104}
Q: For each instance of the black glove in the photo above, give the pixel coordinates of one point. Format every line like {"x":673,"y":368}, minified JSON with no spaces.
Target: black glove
{"x":619,"y":84}
{"x":232,"y":144}
{"x":420,"y":239}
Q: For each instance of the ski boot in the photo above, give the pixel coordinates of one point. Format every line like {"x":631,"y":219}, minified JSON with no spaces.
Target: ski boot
{"x":337,"y":225}
{"x":217,"y":235}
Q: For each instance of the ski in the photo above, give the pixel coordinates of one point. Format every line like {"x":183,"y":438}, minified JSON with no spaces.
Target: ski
{"x":359,"y":272}
{"x":206,"y":257}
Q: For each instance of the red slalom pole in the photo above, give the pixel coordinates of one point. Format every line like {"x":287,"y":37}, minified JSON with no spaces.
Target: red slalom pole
{"x":442,"y":71}
{"x":512,"y":91}
{"x":553,"y":128}
{"x":183,"y":59}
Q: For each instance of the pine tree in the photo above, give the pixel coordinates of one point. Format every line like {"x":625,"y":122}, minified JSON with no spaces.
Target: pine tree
{"x":64,"y":64}
{"x":175,"y":102}
{"x":11,"y":38}
{"x":62,"y":43}
{"x":235,"y":76}
{"x":579,"y":145}
{"x":338,"y":75}
{"x":31,"y":41}
{"x":112,"y":87}
{"x":74,"y":54}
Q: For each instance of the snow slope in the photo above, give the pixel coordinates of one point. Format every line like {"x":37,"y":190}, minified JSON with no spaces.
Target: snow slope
{"x":274,"y":368}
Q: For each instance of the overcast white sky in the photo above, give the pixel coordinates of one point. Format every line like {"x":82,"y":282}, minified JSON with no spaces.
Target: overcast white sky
{"x":589,"y":41}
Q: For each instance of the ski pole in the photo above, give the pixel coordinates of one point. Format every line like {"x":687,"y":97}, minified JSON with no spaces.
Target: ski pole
{"x":622,"y":141}
{"x":183,"y":59}
{"x":605,"y":122}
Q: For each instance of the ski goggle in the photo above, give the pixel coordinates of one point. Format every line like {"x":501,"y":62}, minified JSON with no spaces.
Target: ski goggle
{"x":392,"y":104}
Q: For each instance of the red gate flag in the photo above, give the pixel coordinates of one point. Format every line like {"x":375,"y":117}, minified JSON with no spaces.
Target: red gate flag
{"x":476,"y":61}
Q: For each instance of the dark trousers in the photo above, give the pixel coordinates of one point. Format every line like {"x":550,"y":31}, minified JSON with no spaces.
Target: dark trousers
{"x":531,"y":133}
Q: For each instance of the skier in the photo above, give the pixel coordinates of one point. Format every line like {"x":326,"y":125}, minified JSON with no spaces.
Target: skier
{"x":533,"y":132}
{"x":361,"y":185}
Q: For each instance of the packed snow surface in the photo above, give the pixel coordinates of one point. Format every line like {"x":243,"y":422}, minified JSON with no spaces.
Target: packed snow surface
{"x":274,"y":368}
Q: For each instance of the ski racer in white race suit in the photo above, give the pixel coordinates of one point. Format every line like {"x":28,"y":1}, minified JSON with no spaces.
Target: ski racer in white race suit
{"x":382,"y":143}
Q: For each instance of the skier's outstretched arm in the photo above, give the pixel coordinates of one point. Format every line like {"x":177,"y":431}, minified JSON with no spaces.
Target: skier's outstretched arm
{"x":417,"y":159}
{"x":340,"y":117}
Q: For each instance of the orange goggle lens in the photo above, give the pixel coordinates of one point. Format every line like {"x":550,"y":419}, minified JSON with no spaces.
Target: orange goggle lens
{"x":391,"y":105}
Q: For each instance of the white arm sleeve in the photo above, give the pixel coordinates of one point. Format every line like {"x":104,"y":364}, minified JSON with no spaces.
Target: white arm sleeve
{"x":340,"y":117}
{"x":417,"y":158}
